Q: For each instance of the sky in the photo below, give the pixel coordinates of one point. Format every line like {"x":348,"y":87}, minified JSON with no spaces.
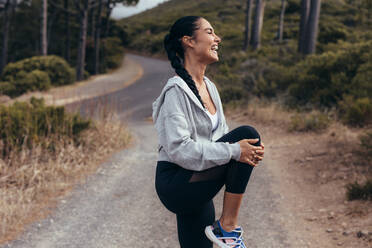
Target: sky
{"x":121,"y":11}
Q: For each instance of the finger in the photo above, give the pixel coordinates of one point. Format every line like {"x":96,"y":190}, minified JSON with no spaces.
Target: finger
{"x":250,"y":162}
{"x":256,"y":148}
{"x":258,"y":157}
{"x":260,"y":152}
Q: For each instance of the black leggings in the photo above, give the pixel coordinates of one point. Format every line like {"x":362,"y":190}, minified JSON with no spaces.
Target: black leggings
{"x":189,"y":194}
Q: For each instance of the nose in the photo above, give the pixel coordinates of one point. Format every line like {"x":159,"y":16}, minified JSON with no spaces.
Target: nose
{"x":217,"y":39}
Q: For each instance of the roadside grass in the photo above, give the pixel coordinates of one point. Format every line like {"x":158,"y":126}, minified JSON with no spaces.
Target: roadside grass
{"x":32,"y":180}
{"x":356,"y":191}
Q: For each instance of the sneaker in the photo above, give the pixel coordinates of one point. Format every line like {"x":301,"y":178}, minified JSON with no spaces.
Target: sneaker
{"x":223,"y":238}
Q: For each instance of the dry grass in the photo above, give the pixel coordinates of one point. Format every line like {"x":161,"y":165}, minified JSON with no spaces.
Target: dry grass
{"x":343,"y":145}
{"x":264,"y":112}
{"x":31,"y":180}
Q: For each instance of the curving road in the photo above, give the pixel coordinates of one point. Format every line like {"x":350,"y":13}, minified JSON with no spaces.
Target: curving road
{"x":118,"y":206}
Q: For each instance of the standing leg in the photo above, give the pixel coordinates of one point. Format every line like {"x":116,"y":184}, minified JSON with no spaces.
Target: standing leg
{"x":190,"y":227}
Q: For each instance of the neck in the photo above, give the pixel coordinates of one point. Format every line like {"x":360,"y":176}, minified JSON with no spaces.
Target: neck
{"x":195,"y":68}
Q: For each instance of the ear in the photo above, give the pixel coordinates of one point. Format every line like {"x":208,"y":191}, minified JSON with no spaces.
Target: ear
{"x":188,"y":41}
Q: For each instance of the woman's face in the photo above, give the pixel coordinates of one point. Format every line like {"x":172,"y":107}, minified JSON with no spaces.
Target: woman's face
{"x":205,"y":42}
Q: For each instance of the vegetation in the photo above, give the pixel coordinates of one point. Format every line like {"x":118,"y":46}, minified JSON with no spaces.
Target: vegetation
{"x":366,"y":144}
{"x":36,"y":73}
{"x":325,"y":81}
{"x":356,"y":191}
{"x":62,"y":34}
{"x":24,"y":124}
{"x":64,"y":151}
{"x":309,"y":122}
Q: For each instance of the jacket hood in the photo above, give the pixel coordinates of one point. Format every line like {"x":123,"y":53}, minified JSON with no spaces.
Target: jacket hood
{"x":175,"y":81}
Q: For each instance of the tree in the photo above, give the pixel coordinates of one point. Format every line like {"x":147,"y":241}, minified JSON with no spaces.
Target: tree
{"x":248,"y":17}
{"x":305,"y":6}
{"x":312,"y":27}
{"x":110,"y":5}
{"x":43,"y":28}
{"x":257,"y":24}
{"x":83,"y":7}
{"x":281,"y":22}
{"x":97,"y":35}
{"x":8,"y":9}
{"x":67,"y":30}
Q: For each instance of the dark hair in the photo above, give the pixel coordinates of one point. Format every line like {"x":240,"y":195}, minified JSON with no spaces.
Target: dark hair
{"x":173,"y":46}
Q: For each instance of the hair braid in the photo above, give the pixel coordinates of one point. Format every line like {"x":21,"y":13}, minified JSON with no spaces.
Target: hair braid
{"x":173,"y":47}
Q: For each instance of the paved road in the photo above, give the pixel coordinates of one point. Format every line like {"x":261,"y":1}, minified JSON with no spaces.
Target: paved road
{"x":118,"y":206}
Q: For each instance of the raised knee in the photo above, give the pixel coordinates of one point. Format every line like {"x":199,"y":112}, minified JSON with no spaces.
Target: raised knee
{"x":250,"y":132}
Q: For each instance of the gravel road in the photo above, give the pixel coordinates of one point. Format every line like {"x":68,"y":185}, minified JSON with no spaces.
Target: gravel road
{"x":118,"y":206}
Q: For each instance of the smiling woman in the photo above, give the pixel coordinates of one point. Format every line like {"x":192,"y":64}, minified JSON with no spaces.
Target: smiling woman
{"x":197,"y":153}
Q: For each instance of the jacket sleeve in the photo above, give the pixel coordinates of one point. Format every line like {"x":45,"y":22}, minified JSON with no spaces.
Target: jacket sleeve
{"x":185,"y":151}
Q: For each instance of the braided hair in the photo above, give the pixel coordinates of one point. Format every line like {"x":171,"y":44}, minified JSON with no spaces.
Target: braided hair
{"x":173,"y":46}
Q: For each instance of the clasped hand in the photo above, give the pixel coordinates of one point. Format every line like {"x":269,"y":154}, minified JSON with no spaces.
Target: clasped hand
{"x":251,"y":154}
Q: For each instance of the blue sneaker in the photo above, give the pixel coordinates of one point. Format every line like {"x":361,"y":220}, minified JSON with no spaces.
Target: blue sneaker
{"x":225,"y":239}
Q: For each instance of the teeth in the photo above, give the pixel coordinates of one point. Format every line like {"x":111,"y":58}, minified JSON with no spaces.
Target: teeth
{"x":215,"y":47}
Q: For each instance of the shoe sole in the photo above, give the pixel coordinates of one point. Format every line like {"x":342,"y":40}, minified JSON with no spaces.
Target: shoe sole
{"x":208,"y":231}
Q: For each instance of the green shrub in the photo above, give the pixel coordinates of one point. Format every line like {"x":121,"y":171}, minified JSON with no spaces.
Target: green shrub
{"x":366,"y":143}
{"x":28,"y":123}
{"x":356,"y":112}
{"x":231,"y":94}
{"x":33,"y":73}
{"x":114,"y":52}
{"x":323,"y":79}
{"x":6,"y":87}
{"x":25,"y":82}
{"x":35,"y":80}
{"x":356,"y":191}
{"x":361,"y":85}
{"x":331,"y":31}
{"x":309,"y":122}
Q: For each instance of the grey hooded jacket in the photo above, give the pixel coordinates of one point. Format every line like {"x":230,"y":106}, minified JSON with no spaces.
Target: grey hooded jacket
{"x":185,"y":130}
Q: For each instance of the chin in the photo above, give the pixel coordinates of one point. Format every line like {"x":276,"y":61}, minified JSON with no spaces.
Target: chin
{"x":213,"y":59}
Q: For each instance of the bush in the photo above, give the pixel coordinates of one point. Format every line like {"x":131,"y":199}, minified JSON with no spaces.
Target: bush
{"x":309,"y":122}
{"x":6,"y":87}
{"x":114,"y":52}
{"x":27,"y":123}
{"x":25,"y":82}
{"x":59,"y":71}
{"x":231,"y":94}
{"x":366,"y":143}
{"x":111,"y":55}
{"x":356,"y":112}
{"x":356,"y":191}
{"x":323,"y":79}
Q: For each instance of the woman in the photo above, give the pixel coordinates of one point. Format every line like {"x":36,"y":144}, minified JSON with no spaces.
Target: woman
{"x":197,"y":153}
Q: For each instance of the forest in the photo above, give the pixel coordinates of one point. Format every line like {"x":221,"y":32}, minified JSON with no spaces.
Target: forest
{"x":80,"y":33}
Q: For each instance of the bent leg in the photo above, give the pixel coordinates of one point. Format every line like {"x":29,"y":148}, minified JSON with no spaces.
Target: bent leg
{"x":238,"y":173}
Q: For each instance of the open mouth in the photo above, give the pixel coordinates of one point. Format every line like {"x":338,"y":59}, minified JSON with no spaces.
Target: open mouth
{"x":214,"y":48}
